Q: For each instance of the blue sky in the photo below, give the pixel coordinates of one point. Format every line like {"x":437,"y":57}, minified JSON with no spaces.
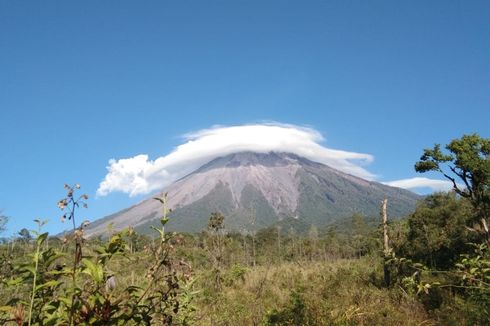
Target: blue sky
{"x":83,"y":83}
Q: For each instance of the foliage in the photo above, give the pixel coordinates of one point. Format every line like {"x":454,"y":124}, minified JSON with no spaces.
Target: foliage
{"x":236,"y":274}
{"x":441,"y":233}
{"x":86,"y":292}
{"x":25,"y":235}
{"x":325,"y":284}
{"x":295,"y":313}
{"x":437,"y":233}
{"x":474,"y":270}
{"x":215,"y":246}
{"x":467,"y":162}
{"x":216,"y":222}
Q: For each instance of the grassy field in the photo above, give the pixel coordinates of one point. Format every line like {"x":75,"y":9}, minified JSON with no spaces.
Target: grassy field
{"x":295,"y":288}
{"x":333,"y":276}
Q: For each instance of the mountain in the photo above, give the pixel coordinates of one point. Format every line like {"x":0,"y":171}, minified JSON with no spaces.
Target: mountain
{"x":271,"y":187}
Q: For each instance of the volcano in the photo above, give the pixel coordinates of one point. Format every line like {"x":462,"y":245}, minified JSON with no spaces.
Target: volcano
{"x":256,"y":190}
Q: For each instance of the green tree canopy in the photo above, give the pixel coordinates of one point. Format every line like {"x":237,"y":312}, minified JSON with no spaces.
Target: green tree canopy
{"x":25,"y":235}
{"x":216,"y":222}
{"x":467,"y":165}
{"x":437,"y":233}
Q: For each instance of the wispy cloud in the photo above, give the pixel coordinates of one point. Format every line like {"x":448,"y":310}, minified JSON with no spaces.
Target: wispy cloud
{"x":421,"y":182}
{"x":141,"y":175}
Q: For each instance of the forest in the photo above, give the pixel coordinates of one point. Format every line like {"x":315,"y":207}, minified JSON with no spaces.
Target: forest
{"x":431,"y":267}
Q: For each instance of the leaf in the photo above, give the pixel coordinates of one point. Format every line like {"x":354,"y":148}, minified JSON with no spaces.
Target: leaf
{"x":66,"y":301}
{"x":14,"y":281}
{"x":164,"y":220}
{"x":49,"y":284}
{"x":41,"y":238}
{"x":94,"y":270}
{"x":159,"y":199}
{"x":159,"y":231}
{"x":419,"y":265}
{"x":28,"y":268}
{"x":49,"y":259}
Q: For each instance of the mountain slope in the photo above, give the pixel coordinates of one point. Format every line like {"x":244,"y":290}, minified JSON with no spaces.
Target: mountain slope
{"x":271,"y":187}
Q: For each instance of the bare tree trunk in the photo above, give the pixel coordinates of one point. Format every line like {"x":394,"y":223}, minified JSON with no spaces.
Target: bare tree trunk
{"x":485,"y":230}
{"x":279,"y":242}
{"x":253,"y":219}
{"x":246,"y":256}
{"x":253,"y":249}
{"x":387,"y":250}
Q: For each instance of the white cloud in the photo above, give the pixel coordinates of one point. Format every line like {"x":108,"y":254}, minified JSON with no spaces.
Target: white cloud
{"x":420,"y":182}
{"x":140,"y":175}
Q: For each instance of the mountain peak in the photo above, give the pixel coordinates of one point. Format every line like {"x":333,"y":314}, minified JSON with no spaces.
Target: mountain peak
{"x":248,"y":158}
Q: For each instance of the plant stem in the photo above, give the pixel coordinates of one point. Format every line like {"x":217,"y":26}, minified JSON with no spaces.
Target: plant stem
{"x":78,"y":255}
{"x":36,"y":261}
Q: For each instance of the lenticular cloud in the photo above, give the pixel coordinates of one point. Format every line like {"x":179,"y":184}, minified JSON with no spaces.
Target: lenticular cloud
{"x":421,"y":182}
{"x":141,"y":175}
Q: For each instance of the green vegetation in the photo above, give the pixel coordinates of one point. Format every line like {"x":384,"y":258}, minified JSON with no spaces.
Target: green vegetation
{"x":72,"y":282}
{"x":468,"y":163}
{"x":439,"y":267}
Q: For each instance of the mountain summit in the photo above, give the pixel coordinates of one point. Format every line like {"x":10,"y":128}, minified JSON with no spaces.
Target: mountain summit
{"x":265,"y":188}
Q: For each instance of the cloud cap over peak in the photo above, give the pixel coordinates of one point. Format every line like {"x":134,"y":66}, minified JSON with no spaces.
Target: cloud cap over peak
{"x":140,"y":175}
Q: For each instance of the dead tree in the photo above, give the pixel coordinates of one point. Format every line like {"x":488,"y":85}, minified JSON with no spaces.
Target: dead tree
{"x":253,"y":220}
{"x":387,"y":249}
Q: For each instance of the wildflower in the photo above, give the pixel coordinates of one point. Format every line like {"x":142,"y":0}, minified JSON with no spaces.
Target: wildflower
{"x":62,"y":204}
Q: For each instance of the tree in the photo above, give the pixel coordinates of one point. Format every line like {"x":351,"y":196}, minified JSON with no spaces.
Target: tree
{"x":358,"y":234}
{"x":3,"y":222}
{"x":216,"y":222}
{"x":216,"y":226}
{"x":467,"y":166}
{"x":25,"y":235}
{"x":437,"y":233}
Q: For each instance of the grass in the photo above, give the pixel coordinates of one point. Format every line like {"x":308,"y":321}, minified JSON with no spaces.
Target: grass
{"x":335,"y":278}
{"x":339,"y":292}
{"x":299,"y":291}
